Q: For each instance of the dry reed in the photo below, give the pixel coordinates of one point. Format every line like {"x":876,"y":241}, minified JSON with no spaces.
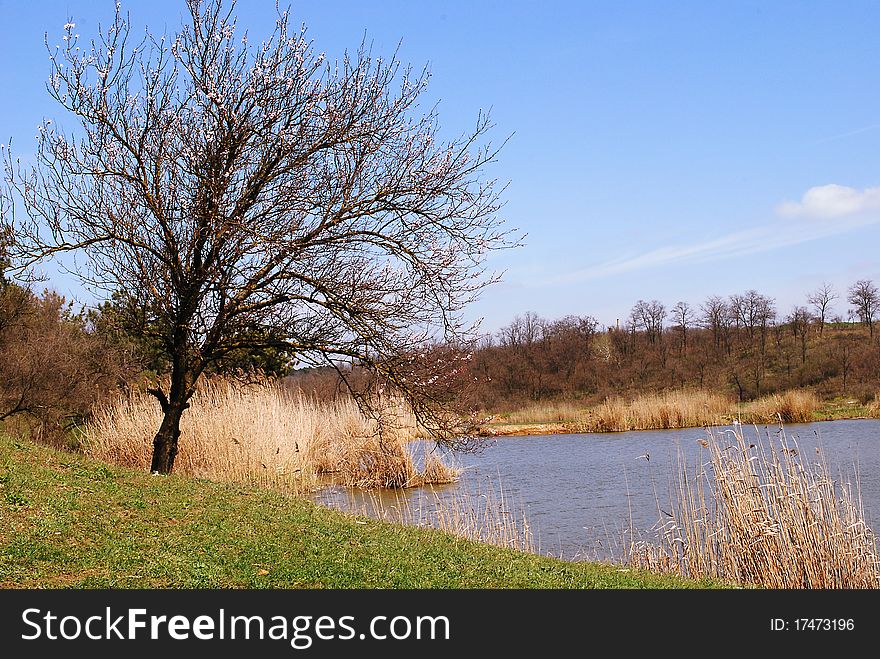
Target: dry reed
{"x":265,"y":435}
{"x":382,"y":461}
{"x":549,"y":412}
{"x":682,"y":408}
{"x":762,"y":515}
{"x":485,"y":518}
{"x":873,"y":407}
{"x":670,"y":409}
{"x":795,"y":406}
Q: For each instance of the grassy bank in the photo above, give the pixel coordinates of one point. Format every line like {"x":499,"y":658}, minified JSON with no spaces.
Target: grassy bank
{"x":70,"y":521}
{"x":674,"y":409}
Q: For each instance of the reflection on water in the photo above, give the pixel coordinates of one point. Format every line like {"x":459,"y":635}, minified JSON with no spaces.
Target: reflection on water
{"x":582,"y":493}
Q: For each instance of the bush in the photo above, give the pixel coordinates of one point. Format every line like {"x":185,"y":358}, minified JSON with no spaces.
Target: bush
{"x":52,"y":369}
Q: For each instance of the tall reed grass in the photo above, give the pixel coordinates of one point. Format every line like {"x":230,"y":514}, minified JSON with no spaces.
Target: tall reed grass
{"x":794,"y":406}
{"x":266,"y":435}
{"x":562,"y":411}
{"x":762,"y":514}
{"x":873,"y":407}
{"x":670,"y":409}
{"x":681,"y":408}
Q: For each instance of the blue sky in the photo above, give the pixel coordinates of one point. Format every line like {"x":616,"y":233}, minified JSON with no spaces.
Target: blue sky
{"x":658,"y":150}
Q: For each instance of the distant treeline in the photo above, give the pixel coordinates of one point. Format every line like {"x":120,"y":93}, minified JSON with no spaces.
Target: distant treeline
{"x":740,"y":344}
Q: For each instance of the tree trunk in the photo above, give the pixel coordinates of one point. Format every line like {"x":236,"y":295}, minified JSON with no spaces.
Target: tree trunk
{"x":173,"y":405}
{"x":165,"y":442}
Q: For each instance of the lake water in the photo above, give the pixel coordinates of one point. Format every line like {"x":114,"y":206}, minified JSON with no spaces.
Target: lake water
{"x":579,"y":491}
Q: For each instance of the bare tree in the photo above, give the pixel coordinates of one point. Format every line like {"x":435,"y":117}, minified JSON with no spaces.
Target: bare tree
{"x":841,"y":352}
{"x":738,"y":310}
{"x":568,"y":344}
{"x":649,"y":316}
{"x":683,"y":317}
{"x":864,"y":296}
{"x":752,"y":310}
{"x":764,"y":314}
{"x":716,"y":317}
{"x":821,"y":300}
{"x":523,"y":331}
{"x":799,"y":321}
{"x":249,"y":194}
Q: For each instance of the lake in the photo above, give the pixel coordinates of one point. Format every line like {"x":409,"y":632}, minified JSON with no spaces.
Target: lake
{"x":579,"y":491}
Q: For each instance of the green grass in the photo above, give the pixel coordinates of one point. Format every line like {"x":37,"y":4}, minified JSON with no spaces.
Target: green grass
{"x":67,"y":521}
{"x":842,"y":408}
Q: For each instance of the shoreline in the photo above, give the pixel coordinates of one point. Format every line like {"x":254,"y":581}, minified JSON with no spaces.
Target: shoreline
{"x":501,"y":429}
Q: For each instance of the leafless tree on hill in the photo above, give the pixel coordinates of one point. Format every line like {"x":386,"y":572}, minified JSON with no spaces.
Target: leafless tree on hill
{"x":799,"y":321}
{"x":683,"y":318}
{"x":649,"y":316}
{"x":865,"y":298}
{"x":715,"y":317}
{"x":821,"y":300}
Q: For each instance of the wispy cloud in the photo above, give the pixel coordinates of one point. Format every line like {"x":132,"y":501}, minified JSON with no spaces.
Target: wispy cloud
{"x":839,"y":202}
{"x":849,"y":133}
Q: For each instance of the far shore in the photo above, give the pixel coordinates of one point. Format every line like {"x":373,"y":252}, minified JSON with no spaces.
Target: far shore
{"x":523,"y":429}
{"x":669,"y":412}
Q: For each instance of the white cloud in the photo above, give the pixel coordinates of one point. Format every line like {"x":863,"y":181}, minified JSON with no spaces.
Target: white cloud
{"x":831,"y":201}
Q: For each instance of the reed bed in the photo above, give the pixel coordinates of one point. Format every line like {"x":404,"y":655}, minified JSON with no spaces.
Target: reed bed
{"x":681,"y":408}
{"x":562,"y":411}
{"x":762,"y":515}
{"x":384,"y":461}
{"x":873,"y":407}
{"x":794,"y":406}
{"x":486,"y":518}
{"x":670,"y":409}
{"x":266,"y":435}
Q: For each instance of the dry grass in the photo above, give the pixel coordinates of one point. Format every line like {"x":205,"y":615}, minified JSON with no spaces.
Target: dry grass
{"x":763,"y":515}
{"x":670,"y":409}
{"x":873,"y":407}
{"x":486,"y":518}
{"x":682,"y":408}
{"x":383,"y":461}
{"x":265,"y":435}
{"x":549,"y":412}
{"x":795,"y":406}
{"x":437,"y":472}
